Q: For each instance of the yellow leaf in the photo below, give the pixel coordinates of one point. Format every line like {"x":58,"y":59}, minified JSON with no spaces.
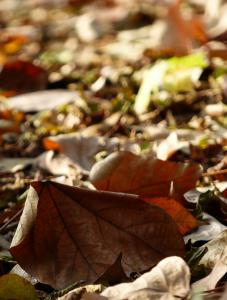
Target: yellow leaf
{"x":13,"y":286}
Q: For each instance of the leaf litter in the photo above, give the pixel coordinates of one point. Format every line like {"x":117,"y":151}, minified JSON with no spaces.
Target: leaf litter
{"x":113,"y":149}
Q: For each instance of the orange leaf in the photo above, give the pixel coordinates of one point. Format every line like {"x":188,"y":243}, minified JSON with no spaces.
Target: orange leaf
{"x":49,"y":144}
{"x":143,"y":175}
{"x":185,"y":221}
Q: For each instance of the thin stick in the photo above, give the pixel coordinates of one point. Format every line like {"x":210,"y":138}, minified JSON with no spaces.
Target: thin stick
{"x":11,"y":220}
{"x":214,"y":173}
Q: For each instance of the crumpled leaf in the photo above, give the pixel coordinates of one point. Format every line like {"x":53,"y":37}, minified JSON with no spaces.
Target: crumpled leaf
{"x":209,"y":282}
{"x":143,"y":175}
{"x":67,"y":234}
{"x":184,"y":220}
{"x":216,"y":247}
{"x":13,"y":286}
{"x":169,"y":146}
{"x":41,"y":100}
{"x":80,"y":149}
{"x":21,"y":77}
{"x":55,"y":164}
{"x":170,"y":279}
{"x":206,"y":232}
{"x":212,"y":203}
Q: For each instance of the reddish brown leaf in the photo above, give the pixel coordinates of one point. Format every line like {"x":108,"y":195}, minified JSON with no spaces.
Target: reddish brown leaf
{"x":144,"y":176}
{"x":114,"y":275}
{"x":20,"y":77}
{"x":189,"y":31}
{"x":185,"y":221}
{"x":67,"y":234}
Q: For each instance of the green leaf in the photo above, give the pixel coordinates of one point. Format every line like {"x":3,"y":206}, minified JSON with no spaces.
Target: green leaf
{"x":186,"y":62}
{"x":177,"y":74}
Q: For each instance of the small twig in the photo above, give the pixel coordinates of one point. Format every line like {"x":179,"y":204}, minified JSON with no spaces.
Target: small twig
{"x":214,"y":173}
{"x":11,"y":220}
{"x":63,"y":292}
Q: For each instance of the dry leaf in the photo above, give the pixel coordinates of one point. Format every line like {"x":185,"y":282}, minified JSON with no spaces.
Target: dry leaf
{"x":184,"y":220}
{"x":189,"y":31}
{"x":209,"y":282}
{"x":82,"y":149}
{"x":145,"y":176}
{"x":206,"y":232}
{"x":170,"y":279}
{"x":67,"y":234}
{"x":55,"y":164}
{"x":216,"y":247}
{"x":14,"y":164}
{"x":41,"y":100}
{"x":21,"y":77}
{"x":216,"y":259}
{"x":114,"y":275}
{"x":169,"y":146}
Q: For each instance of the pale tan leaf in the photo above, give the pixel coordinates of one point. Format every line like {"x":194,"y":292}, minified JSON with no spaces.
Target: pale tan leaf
{"x":81,"y":149}
{"x":170,"y":279}
{"x":209,"y":283}
{"x":41,"y":100}
{"x":215,"y":250}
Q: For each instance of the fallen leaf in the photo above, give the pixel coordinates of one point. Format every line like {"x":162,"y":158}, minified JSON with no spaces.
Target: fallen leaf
{"x":209,"y":282}
{"x":170,"y":279}
{"x":169,"y":146}
{"x":67,"y":234}
{"x":55,"y":164}
{"x":41,"y":100}
{"x":21,"y":77}
{"x":190,"y":30}
{"x":184,"y":220}
{"x":215,"y":19}
{"x":14,"y":164}
{"x":114,"y":275}
{"x":215,"y":249}
{"x":206,"y":232}
{"x":13,"y":286}
{"x":81,"y":149}
{"x":144,"y":176}
{"x":214,"y":204}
